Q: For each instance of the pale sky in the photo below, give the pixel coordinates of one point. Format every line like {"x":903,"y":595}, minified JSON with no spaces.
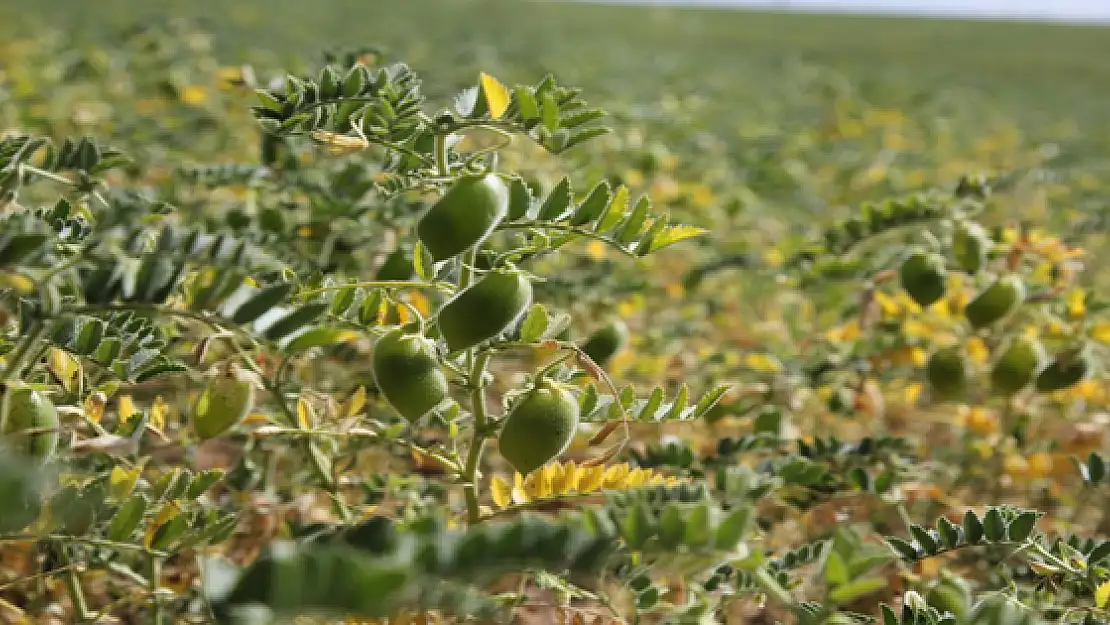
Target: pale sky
{"x":1052,"y":9}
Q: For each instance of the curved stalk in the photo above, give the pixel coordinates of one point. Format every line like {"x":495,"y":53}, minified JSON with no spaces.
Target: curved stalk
{"x":478,"y":439}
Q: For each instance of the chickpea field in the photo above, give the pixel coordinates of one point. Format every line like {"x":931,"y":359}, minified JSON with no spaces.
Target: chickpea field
{"x":494,"y":311}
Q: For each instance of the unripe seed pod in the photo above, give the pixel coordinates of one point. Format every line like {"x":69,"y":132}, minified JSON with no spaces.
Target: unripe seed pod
{"x":1018,"y":365}
{"x":923,"y":277}
{"x":464,"y":217}
{"x":539,"y":428}
{"x":484,"y":310}
{"x":970,"y":245}
{"x":224,"y":404}
{"x":946,"y":372}
{"x":408,"y":375}
{"x":996,"y":302}
{"x":29,"y":421}
{"x":1065,"y":371}
{"x":606,"y":342}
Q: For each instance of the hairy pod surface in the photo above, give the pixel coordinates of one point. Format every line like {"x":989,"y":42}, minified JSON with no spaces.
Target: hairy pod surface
{"x":484,"y":310}
{"x":464,"y":217}
{"x":970,"y":246}
{"x":539,"y":428}
{"x":30,"y":422}
{"x":924,"y":277}
{"x":224,"y":404}
{"x":606,"y":341}
{"x":996,"y":302}
{"x":1018,"y":365}
{"x":1065,"y":371}
{"x":946,"y":371}
{"x":407,"y":373}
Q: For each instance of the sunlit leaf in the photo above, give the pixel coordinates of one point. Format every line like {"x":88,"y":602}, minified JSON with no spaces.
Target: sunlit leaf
{"x":497,"y":95}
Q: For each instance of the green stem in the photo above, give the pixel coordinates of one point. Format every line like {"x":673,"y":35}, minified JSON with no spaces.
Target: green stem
{"x":442,"y":165}
{"x":478,"y":440}
{"x":46,"y":174}
{"x":155,"y":579}
{"x":73,"y":585}
{"x":561,"y":227}
{"x":92,"y":542}
{"x":15,"y":360}
{"x":383,"y":284}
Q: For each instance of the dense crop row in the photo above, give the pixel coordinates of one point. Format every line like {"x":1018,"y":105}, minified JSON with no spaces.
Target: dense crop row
{"x":335,"y":342}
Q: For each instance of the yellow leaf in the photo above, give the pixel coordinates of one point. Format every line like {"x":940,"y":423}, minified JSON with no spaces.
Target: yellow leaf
{"x":256,"y":417}
{"x":913,"y":392}
{"x":65,"y":367}
{"x":887,"y":303}
{"x":497,"y":95}
{"x":547,"y":475}
{"x":568,"y":479}
{"x":94,"y":406}
{"x":762,"y":363}
{"x":977,"y":350}
{"x":615,"y":475}
{"x":127,"y":408}
{"x":122,"y":481}
{"x":420,"y":302}
{"x":501,"y":491}
{"x":158,"y":412}
{"x":17,"y":282}
{"x":356,"y":403}
{"x":537,"y":485}
{"x":165,"y":515}
{"x":1102,"y":595}
{"x":15,"y":614}
{"x":673,"y":234}
{"x":306,"y":417}
{"x":519,"y":494}
{"x":637,"y":477}
{"x":1077,"y":304}
{"x":591,"y":478}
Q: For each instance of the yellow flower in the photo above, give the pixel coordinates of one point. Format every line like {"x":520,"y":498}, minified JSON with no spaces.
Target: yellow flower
{"x":1077,"y":304}
{"x":888,"y":304}
{"x":702,"y":196}
{"x":977,"y":350}
{"x":194,"y":95}
{"x":1101,"y":332}
{"x":978,"y":419}
{"x":772,"y":257}
{"x":844,"y":333}
{"x":762,"y":363}
{"x":913,"y":392}
{"x":596,"y":250}
{"x":633,"y":178}
{"x":1040,"y":465}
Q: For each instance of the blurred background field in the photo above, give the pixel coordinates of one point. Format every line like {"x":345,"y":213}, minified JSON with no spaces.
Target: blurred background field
{"x":763,"y":127}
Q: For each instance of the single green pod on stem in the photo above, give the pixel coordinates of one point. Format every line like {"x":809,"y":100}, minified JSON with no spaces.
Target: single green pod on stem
{"x":464,"y":217}
{"x":924,"y":277}
{"x":408,"y":374}
{"x":539,"y":427}
{"x":484,"y":310}
{"x":29,"y":421}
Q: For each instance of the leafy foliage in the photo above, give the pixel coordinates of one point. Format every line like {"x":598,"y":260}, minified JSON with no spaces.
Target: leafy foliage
{"x":819,"y":336}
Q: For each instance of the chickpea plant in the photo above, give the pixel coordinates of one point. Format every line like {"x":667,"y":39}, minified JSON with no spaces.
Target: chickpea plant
{"x":376,"y":413}
{"x":111,"y":289}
